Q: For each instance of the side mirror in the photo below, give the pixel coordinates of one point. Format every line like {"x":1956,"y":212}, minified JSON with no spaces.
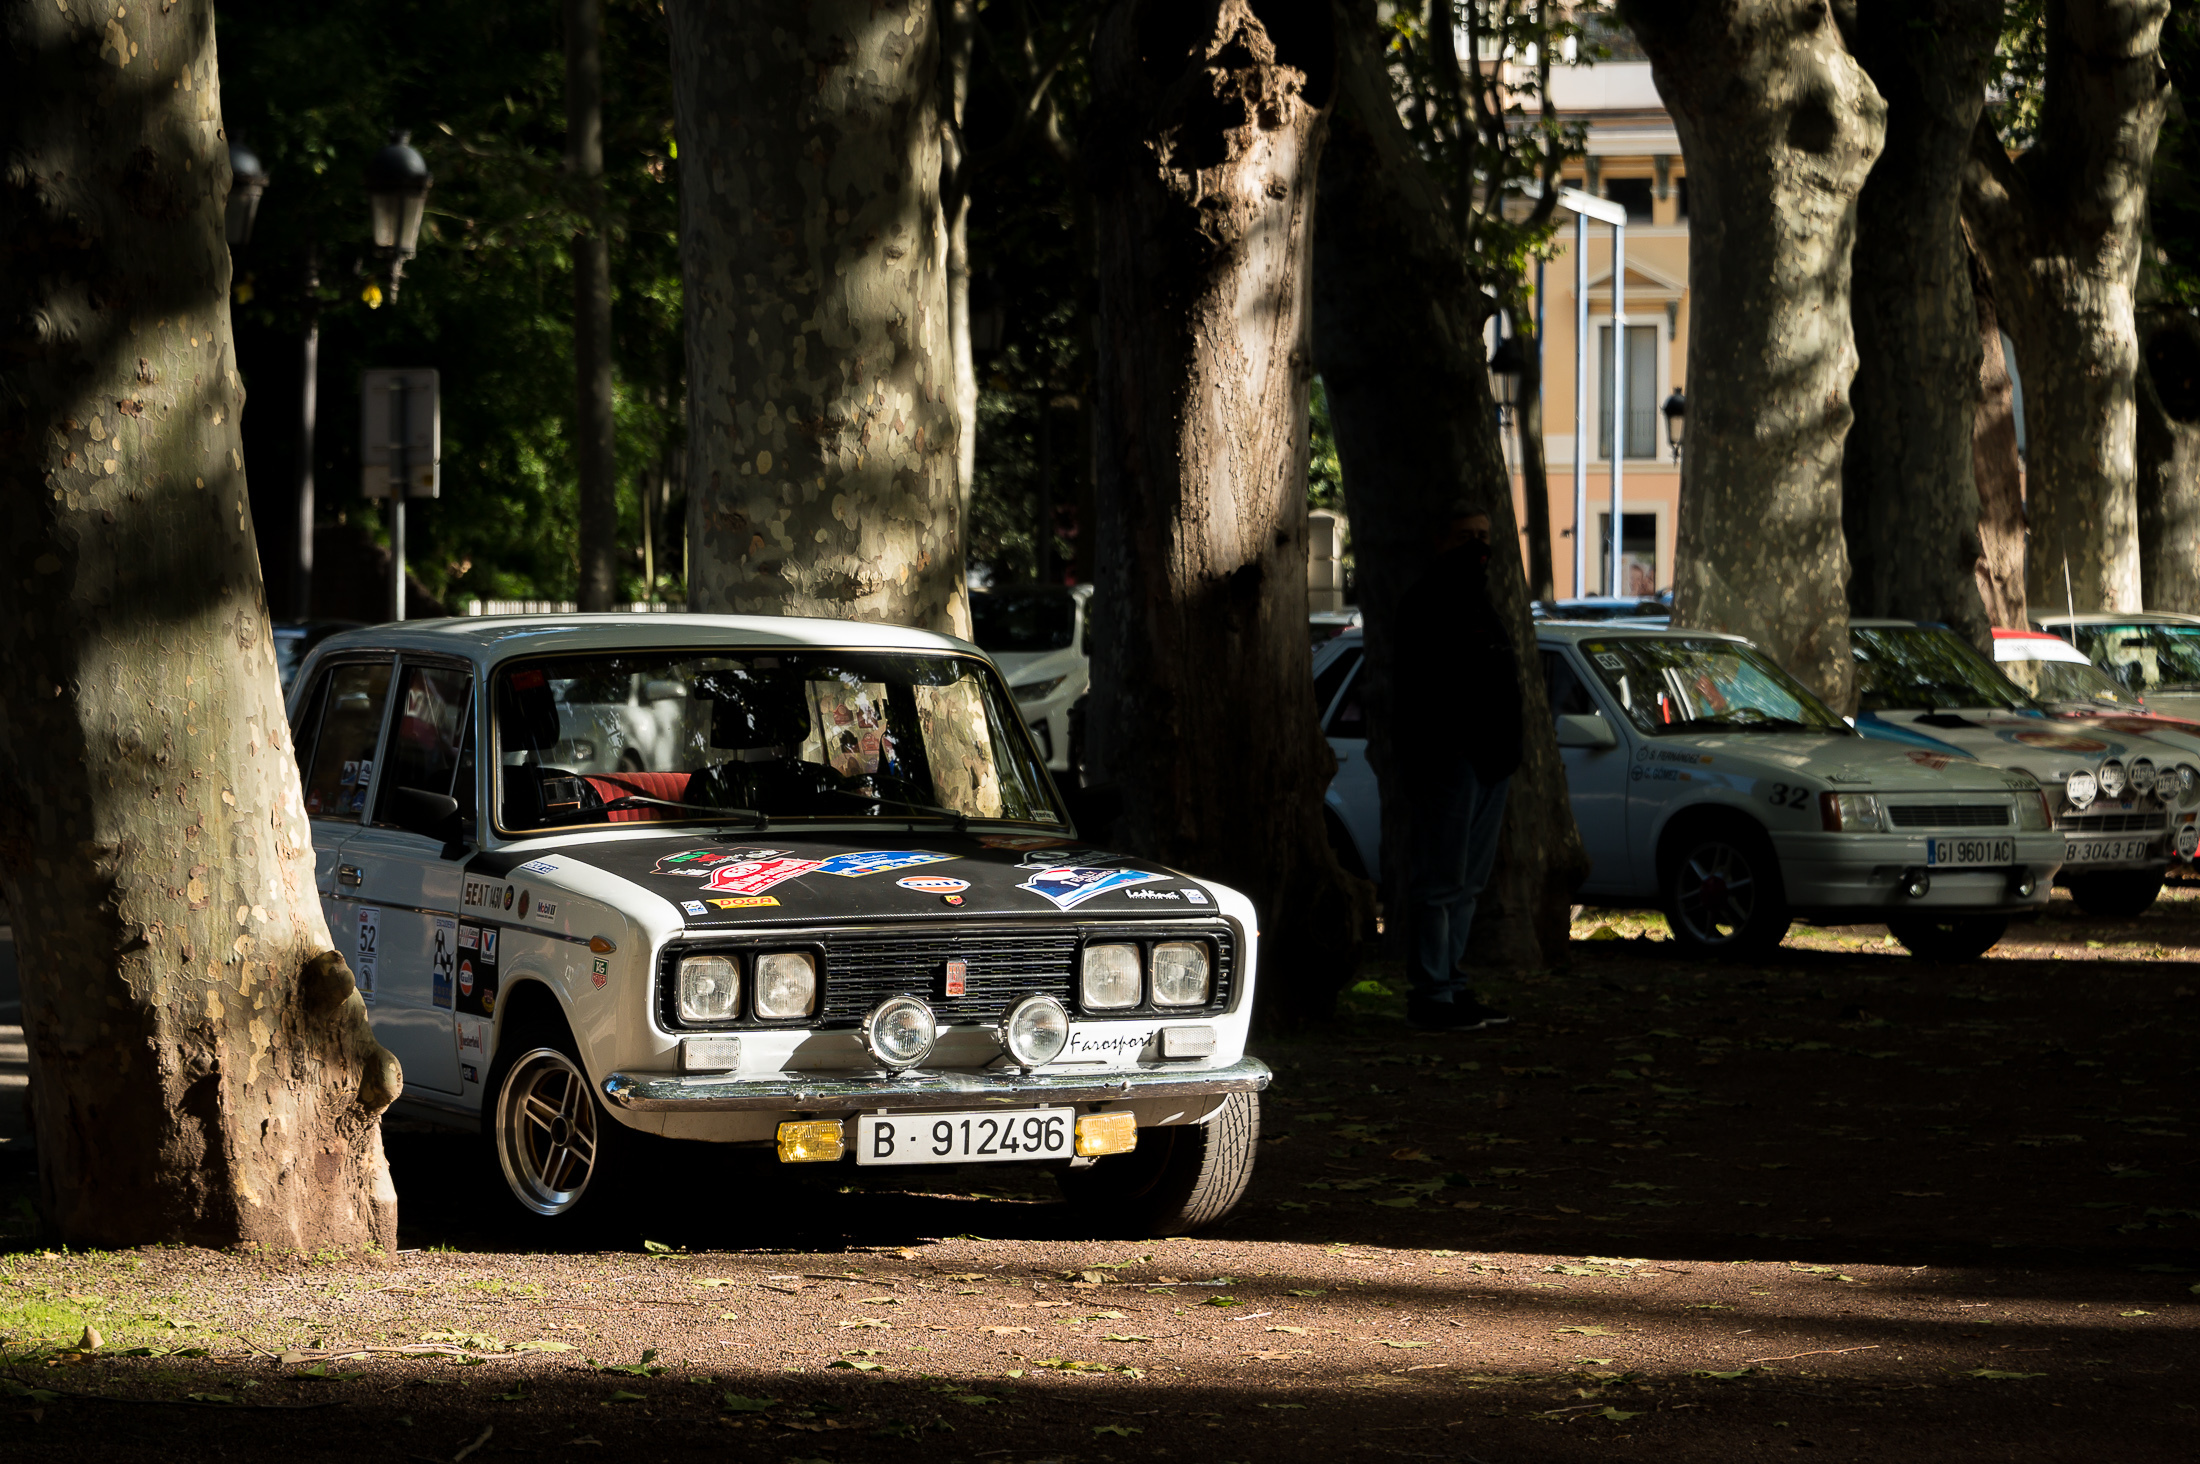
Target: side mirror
{"x":417,"y":811}
{"x":1578,"y":729}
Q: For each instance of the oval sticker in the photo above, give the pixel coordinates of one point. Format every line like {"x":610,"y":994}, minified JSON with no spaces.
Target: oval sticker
{"x":934,"y":884}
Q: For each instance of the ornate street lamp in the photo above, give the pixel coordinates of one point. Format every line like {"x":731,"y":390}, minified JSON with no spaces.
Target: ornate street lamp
{"x":1507,"y":364}
{"x":1676,"y":420}
{"x":247,"y":181}
{"x":397,"y":192}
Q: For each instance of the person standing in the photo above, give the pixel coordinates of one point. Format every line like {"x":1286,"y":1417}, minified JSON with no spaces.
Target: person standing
{"x":1455,"y":703}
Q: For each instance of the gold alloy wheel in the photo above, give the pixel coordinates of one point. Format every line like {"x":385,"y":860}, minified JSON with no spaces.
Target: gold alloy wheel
{"x":546,"y":1131}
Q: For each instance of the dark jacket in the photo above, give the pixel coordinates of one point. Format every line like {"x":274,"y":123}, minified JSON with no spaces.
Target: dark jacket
{"x":1455,"y":683}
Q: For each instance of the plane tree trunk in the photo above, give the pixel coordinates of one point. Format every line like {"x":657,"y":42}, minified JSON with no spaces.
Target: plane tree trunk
{"x":2059,"y":230}
{"x":595,"y":437}
{"x":1398,"y":336}
{"x":813,"y":247}
{"x":1998,"y":468}
{"x":1206,"y":133}
{"x":1779,"y":126}
{"x":2169,"y":461}
{"x":202,"y":1065}
{"x":1911,"y":500}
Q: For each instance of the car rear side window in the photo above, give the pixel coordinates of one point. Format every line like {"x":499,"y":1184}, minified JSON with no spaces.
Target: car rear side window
{"x":1569,"y":696}
{"x":1350,"y":718}
{"x":1333,"y":676}
{"x":343,"y":751}
{"x":428,"y":735}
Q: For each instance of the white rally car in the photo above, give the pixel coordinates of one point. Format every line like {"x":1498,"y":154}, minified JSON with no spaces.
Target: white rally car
{"x":1038,"y":635}
{"x":830,"y":904}
{"x":2121,"y":799}
{"x":1708,"y":781}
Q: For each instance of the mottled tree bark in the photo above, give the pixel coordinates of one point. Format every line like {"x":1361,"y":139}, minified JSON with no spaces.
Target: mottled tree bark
{"x":1398,"y":336}
{"x":2059,"y":230}
{"x":1534,"y":478}
{"x":1910,"y":508}
{"x":595,"y":441}
{"x":1779,"y":126}
{"x":2168,"y":446}
{"x":959,"y":39}
{"x":1997,"y":467}
{"x":202,"y":1066}
{"x":1205,"y":137}
{"x":813,"y":246}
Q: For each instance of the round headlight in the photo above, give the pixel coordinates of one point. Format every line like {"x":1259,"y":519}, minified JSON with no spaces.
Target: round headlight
{"x":1181,"y":974}
{"x":2112,"y":779}
{"x":786,"y":984}
{"x":2080,"y":789}
{"x":1035,"y":1030}
{"x":1108,"y":979}
{"x":2141,"y":775}
{"x":709,"y":989}
{"x":900,"y":1032}
{"x":2188,"y":784}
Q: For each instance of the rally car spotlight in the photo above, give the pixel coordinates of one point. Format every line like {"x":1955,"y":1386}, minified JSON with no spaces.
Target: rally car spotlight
{"x":1916,"y":883}
{"x":900,"y":1031}
{"x":2142,"y":776}
{"x":2112,"y":779}
{"x":1035,"y":1031}
{"x":1108,"y":979}
{"x":1182,"y":973}
{"x":2080,"y":790}
{"x":786,"y":984}
{"x":709,"y":989}
{"x":2188,"y":784}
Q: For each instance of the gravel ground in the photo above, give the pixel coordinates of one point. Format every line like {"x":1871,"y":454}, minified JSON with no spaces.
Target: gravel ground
{"x":1844,"y":1203}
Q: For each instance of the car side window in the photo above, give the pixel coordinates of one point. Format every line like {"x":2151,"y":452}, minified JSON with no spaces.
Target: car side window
{"x":1350,"y":718}
{"x":1333,"y":676}
{"x":427,"y":743}
{"x":351,"y":701}
{"x":1569,"y":696}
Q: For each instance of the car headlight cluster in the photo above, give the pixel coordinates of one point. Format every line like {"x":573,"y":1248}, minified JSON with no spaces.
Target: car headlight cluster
{"x":1115,"y":977}
{"x":1849,"y":813}
{"x":1031,"y":691}
{"x":2032,"y":813}
{"x":783,"y":985}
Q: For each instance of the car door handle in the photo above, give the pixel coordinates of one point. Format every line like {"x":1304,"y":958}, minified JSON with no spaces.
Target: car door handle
{"x":350,"y":874}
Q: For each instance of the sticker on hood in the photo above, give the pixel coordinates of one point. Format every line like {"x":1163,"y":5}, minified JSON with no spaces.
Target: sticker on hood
{"x":878,"y":861}
{"x":2057,"y":741}
{"x":753,"y":877}
{"x":934,"y":884}
{"x":697,"y":863}
{"x":1068,"y":885}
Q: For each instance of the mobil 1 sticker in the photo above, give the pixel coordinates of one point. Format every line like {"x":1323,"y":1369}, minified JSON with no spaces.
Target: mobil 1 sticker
{"x":477,"y":971}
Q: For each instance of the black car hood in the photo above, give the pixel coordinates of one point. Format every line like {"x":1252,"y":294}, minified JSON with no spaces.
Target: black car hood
{"x":720,"y":881}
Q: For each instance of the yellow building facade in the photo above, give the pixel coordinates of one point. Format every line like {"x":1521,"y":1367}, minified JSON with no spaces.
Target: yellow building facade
{"x":1633,"y":159}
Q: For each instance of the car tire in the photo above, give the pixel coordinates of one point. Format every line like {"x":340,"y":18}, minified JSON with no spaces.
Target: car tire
{"x":2117,"y":896}
{"x":1180,"y":1179}
{"x":564,"y":1158}
{"x":1723,"y":894}
{"x":1956,"y":938}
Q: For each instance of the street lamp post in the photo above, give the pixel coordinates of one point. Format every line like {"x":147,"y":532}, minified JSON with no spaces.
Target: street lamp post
{"x":397,"y":193}
{"x":247,"y":181}
{"x":1676,"y":420}
{"x":1508,"y":363}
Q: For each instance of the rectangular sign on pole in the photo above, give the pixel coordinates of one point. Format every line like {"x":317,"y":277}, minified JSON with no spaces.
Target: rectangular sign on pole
{"x":401,"y":433}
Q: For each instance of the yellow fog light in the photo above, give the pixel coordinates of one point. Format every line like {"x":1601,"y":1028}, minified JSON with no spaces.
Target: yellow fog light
{"x":810,"y":1142}
{"x":1107,"y":1133}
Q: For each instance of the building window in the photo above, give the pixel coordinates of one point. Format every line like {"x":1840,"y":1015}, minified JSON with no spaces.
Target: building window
{"x":1632,"y":194}
{"x":1642,"y":392}
{"x":1638,"y":552}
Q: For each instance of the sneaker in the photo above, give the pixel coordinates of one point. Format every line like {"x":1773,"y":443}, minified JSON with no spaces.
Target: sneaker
{"x":1468,"y":1015}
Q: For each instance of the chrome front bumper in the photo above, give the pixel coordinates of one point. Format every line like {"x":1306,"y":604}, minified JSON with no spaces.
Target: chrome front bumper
{"x":804,"y":1093}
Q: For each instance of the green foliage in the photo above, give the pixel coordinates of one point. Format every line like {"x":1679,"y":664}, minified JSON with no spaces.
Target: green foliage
{"x":488,"y":301}
{"x":1324,"y":474}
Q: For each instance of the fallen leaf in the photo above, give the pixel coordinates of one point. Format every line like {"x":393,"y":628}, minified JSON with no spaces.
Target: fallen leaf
{"x":735,"y":1403}
{"x":1294,"y":1331}
{"x":868,"y":1322}
{"x":656,"y":1247}
{"x":1127,"y":1337}
{"x":1120,"y":1430}
{"x":1584,"y":1332}
{"x":1999,"y":1376}
{"x":858,"y":1364}
{"x":1388,"y":1343}
{"x":1618,"y":1415}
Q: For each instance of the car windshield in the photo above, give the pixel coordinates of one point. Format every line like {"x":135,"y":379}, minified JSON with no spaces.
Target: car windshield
{"x":1670,"y":684}
{"x":1927,"y":668}
{"x":2145,"y":658}
{"x":1015,"y":621}
{"x":681,"y":737}
{"x":2067,"y":681}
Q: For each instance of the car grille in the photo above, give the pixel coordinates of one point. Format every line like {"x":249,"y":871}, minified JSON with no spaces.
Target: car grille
{"x":2112,"y":823}
{"x":863,"y":968}
{"x":1949,"y":815}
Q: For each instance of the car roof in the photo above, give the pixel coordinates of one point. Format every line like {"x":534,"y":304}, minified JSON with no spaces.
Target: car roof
{"x":491,"y":638}
{"x":2035,"y":645}
{"x":2111,"y":617}
{"x":1574,"y":630}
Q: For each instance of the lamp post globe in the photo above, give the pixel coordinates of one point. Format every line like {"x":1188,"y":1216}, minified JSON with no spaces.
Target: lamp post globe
{"x":247,"y":181}
{"x":1507,"y":364}
{"x":397,"y":195}
{"x":1676,"y":420}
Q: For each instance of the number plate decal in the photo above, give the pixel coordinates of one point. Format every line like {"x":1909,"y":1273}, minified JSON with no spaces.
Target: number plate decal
{"x":966,"y":1138}
{"x":2109,"y":851}
{"x":1958,"y":853}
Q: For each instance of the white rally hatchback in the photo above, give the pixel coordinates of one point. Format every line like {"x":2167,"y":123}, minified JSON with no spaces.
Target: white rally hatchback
{"x":1708,"y":781}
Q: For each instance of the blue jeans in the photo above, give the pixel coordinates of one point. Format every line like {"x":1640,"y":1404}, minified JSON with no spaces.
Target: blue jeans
{"x":1454,"y":846}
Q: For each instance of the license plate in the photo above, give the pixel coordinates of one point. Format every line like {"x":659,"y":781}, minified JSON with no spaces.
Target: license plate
{"x":1949,"y":853}
{"x":966,"y":1138}
{"x":2108,"y":851}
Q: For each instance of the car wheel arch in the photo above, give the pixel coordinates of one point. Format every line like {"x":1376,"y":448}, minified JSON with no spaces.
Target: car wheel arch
{"x":1685,"y":822}
{"x":529,"y":1004}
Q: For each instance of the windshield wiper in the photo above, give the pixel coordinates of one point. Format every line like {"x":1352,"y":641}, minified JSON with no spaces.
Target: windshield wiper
{"x":962,"y":820}
{"x":640,"y":800}
{"x":1760,"y":724}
